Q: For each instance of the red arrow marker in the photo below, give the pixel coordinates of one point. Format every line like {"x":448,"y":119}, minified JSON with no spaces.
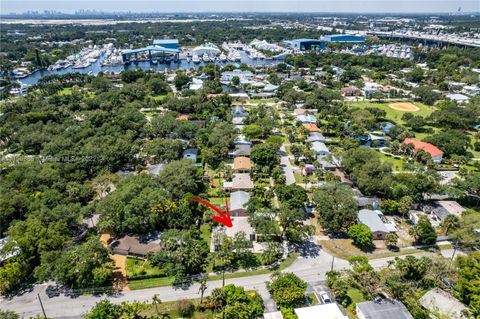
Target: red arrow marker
{"x":222,"y":218}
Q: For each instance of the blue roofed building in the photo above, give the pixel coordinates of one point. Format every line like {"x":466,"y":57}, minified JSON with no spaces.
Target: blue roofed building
{"x":345,"y":38}
{"x":166,"y":47}
{"x":167,"y":43}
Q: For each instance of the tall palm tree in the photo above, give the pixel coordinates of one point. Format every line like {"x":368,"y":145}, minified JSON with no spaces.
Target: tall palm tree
{"x":156,"y":302}
{"x":203,"y":287}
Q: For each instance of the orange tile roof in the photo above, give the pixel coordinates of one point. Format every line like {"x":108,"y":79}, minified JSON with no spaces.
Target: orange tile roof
{"x":311,"y":127}
{"x":241,"y":162}
{"x":427,"y":147}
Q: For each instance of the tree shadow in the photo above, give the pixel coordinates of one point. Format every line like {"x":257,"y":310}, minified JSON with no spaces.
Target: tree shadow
{"x":308,"y":249}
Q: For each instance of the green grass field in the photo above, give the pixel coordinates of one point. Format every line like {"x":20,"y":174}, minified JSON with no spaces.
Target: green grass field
{"x":136,"y":267}
{"x":394,"y":115}
{"x":150,"y":283}
{"x":397,"y":164}
{"x":65,"y":91}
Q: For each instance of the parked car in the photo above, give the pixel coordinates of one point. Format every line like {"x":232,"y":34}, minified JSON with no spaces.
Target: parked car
{"x":324,"y":296}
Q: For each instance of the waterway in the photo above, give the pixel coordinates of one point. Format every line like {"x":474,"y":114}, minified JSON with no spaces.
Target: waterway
{"x":96,"y":67}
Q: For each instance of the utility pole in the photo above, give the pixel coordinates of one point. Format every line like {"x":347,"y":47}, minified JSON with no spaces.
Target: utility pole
{"x":333,"y":260}
{"x":41,"y":305}
{"x":455,"y":247}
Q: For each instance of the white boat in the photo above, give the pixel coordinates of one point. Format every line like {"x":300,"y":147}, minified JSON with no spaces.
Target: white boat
{"x":195,"y":59}
{"x":237,"y":56}
{"x":205,"y":57}
{"x":223,"y":57}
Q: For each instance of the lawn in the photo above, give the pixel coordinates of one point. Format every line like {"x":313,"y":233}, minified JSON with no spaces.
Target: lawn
{"x":150,"y":283}
{"x":394,"y":115}
{"x":169,"y":309}
{"x":159,"y":97}
{"x":139,"y":267}
{"x":355,"y":296}
{"x":65,"y":91}
{"x":312,"y":299}
{"x":397,"y":164}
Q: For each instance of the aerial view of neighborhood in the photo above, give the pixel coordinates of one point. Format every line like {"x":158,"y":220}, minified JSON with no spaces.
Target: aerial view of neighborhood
{"x":228,"y":163}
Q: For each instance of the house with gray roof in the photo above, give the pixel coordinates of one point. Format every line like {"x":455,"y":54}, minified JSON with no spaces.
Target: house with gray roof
{"x":442,"y":208}
{"x":376,"y":222}
{"x":382,"y":309}
{"x":191,"y":154}
{"x":240,"y":150}
{"x":238,"y":203}
{"x":239,"y":111}
{"x":316,"y":137}
{"x":241,"y":140}
{"x":320,"y":149}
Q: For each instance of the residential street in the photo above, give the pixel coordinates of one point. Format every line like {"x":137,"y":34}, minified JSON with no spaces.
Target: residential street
{"x":311,"y":267}
{"x":286,"y":166}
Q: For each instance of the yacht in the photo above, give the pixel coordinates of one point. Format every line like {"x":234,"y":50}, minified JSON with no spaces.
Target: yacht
{"x":205,"y":57}
{"x":223,"y":57}
{"x":195,"y":59}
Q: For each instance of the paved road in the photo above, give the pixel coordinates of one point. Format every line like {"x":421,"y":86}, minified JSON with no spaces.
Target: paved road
{"x":312,"y":267}
{"x":286,"y":166}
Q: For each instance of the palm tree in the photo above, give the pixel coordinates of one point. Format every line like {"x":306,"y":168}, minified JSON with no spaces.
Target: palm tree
{"x":156,"y":302}
{"x":449,"y":223}
{"x":203,"y":287}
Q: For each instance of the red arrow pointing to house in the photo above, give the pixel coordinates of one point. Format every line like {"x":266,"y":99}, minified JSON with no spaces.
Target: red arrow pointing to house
{"x":222,"y":218}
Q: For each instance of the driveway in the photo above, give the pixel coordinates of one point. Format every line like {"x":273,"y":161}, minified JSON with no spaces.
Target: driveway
{"x":286,"y":166}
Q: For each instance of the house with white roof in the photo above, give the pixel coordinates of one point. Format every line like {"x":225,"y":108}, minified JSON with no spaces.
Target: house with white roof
{"x":457,"y":97}
{"x":323,"y":311}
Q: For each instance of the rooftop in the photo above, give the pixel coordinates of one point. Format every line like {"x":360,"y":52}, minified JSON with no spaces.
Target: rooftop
{"x":325,"y":311}
{"x":373,"y":219}
{"x":311,"y":127}
{"x":242,"y":163}
{"x":382,"y":309}
{"x":427,"y":147}
{"x":438,"y":300}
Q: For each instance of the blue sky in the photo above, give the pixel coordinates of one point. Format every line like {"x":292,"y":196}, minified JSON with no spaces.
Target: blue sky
{"x":360,"y":6}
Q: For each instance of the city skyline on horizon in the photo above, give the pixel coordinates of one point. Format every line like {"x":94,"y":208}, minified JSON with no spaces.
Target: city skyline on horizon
{"x":248,"y":6}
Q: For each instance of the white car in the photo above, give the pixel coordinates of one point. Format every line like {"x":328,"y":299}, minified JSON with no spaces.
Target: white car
{"x":325,"y":298}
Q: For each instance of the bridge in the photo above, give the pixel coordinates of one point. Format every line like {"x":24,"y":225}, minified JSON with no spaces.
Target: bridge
{"x":167,"y":47}
{"x":429,"y":38}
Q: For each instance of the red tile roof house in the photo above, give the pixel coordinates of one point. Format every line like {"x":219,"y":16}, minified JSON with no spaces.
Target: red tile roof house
{"x":434,"y":151}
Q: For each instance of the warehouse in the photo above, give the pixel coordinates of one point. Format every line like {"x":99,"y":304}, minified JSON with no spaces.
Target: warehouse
{"x":344,"y":38}
{"x":306,"y":44}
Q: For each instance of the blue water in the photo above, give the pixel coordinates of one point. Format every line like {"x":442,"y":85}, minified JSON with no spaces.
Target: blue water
{"x":96,"y":67}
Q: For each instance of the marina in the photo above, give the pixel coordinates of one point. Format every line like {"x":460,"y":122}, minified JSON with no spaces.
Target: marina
{"x":104,"y":64}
